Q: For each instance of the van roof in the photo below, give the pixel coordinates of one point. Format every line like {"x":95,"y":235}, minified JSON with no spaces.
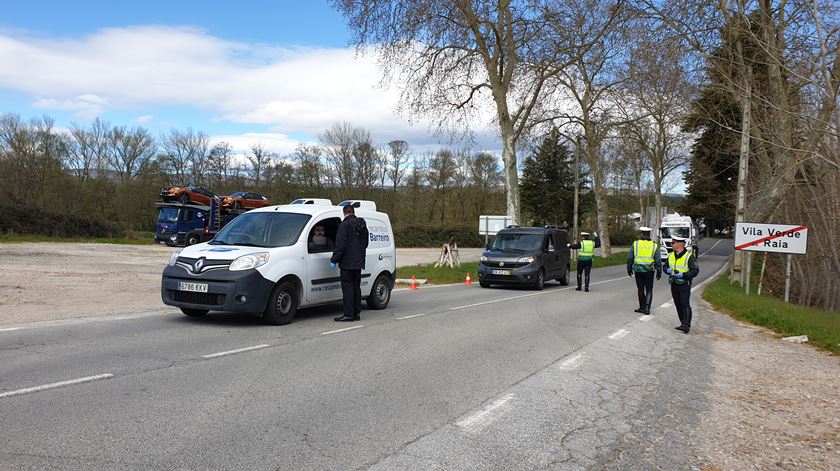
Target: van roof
{"x":314,"y":210}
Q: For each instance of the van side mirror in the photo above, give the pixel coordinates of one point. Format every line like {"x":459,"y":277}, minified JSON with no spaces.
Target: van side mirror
{"x":488,"y":246}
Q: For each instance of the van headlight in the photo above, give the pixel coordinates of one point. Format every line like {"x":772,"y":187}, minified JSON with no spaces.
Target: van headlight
{"x":247,"y":262}
{"x":483,"y":258}
{"x":526,"y":259}
{"x":174,"y":257}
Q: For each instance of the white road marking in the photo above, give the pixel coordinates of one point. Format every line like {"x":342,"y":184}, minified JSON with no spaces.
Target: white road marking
{"x":619,"y":335}
{"x":484,"y":416}
{"x":59,"y":384}
{"x":528,"y":295}
{"x":646,"y":318}
{"x":570,"y":363}
{"x":342,"y":330}
{"x":666,"y":305}
{"x":716,"y":243}
{"x":10,"y":329}
{"x":412,"y":316}
{"x":231,"y":352}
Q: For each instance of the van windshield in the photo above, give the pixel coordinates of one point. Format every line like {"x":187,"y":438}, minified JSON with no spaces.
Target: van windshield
{"x":518,"y":242}
{"x":168,"y":215}
{"x":262,"y":230}
{"x":670,"y":232}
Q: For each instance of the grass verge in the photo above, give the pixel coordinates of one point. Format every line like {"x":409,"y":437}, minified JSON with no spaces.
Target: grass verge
{"x":133,"y":238}
{"x":440,"y":275}
{"x":618,"y":258}
{"x":821,"y":327}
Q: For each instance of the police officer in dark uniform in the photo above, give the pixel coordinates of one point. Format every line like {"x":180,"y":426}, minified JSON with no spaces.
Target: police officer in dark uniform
{"x":681,"y":267}
{"x":350,"y":252}
{"x":643,"y":260}
{"x":586,"y":253}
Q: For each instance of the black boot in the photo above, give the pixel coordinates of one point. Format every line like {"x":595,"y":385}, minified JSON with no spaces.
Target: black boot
{"x":577,"y":289}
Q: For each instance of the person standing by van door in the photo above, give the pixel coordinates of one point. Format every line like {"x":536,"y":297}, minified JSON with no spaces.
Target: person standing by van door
{"x":681,"y":268}
{"x":350,"y":253}
{"x":586,"y":253}
{"x":642,"y":260}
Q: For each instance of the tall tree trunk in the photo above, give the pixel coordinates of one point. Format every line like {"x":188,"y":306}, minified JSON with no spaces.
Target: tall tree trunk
{"x":511,"y":172}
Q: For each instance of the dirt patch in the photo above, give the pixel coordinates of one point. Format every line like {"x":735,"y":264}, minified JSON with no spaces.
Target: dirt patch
{"x":51,"y":281}
{"x":775,"y":405}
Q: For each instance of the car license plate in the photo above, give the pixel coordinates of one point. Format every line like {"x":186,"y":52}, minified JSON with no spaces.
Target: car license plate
{"x":501,"y":272}
{"x":194,"y":287}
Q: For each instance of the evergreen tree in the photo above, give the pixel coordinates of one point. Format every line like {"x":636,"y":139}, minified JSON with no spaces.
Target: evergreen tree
{"x":547,"y":185}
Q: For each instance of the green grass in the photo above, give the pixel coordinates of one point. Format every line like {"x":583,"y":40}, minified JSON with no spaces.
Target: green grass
{"x":821,"y":327}
{"x":133,"y":238}
{"x":440,"y":275}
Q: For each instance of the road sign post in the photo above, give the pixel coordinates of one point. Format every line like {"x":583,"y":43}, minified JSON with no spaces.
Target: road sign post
{"x":779,"y":238}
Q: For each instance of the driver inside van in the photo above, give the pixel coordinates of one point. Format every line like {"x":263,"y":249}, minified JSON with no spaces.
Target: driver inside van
{"x":319,"y":242}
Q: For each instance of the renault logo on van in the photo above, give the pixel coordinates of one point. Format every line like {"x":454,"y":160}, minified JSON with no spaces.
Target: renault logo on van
{"x":198,"y":264}
{"x":501,"y":264}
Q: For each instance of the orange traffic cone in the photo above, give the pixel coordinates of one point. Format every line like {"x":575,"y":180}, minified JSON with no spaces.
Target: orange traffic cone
{"x":413,"y":282}
{"x":468,"y":282}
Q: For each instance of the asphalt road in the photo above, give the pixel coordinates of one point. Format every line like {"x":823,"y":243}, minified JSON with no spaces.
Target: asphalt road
{"x":450,"y":377}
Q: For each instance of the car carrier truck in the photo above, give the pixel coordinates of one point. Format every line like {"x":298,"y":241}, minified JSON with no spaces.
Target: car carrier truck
{"x":678,"y":225}
{"x":189,"y":224}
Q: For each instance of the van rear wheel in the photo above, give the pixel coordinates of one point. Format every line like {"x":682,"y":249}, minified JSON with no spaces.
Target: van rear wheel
{"x":282,"y":304}
{"x":380,"y":294}
{"x":564,"y":280}
{"x":194,"y":312}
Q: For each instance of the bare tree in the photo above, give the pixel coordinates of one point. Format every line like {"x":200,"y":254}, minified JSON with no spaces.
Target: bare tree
{"x":88,"y":150}
{"x":439,"y":174}
{"x":185,"y":153}
{"x":130,"y":151}
{"x":260,"y":160}
{"x":486,"y":175}
{"x":339,"y":142}
{"x":366,"y":163}
{"x":453,"y":56}
{"x":310,"y":169}
{"x":31,"y":152}
{"x":398,"y":162}
{"x":220,"y":163}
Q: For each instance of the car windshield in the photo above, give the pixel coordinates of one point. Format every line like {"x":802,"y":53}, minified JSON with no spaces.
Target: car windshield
{"x":518,"y":242}
{"x":238,"y":195}
{"x":262,"y":230}
{"x":669,"y":232}
{"x":168,"y":215}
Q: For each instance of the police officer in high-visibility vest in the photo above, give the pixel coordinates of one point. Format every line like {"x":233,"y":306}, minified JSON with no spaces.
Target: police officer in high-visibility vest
{"x":586,"y":253}
{"x":681,"y":267}
{"x":643,"y":260}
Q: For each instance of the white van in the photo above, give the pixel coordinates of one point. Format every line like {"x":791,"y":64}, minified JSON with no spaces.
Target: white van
{"x":265,"y":261}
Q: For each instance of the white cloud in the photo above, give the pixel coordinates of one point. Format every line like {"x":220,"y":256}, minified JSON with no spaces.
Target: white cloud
{"x":145,"y":119}
{"x":287,"y":90}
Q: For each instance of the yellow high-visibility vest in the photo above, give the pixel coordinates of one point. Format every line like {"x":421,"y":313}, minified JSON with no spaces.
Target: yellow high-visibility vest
{"x":643,"y":251}
{"x":587,"y":250}
{"x":680,"y":266}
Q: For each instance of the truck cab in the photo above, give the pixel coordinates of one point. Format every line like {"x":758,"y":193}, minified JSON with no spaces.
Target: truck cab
{"x":176,"y":220}
{"x":681,"y":226}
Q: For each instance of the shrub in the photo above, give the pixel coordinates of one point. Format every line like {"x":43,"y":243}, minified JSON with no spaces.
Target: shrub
{"x":422,"y":235}
{"x":22,"y":220}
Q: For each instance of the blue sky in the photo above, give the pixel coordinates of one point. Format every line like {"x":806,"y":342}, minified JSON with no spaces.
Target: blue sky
{"x":273,"y":72}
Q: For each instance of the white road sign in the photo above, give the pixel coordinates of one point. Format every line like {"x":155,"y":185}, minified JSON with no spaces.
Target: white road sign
{"x":781,"y":238}
{"x":490,"y":225}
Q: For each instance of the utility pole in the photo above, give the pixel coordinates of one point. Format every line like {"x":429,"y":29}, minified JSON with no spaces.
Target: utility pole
{"x":737,"y":272}
{"x":577,"y":189}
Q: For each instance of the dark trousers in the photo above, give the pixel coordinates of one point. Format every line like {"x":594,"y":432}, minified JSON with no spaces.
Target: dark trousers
{"x":644,"y":285}
{"x":351,"y":291}
{"x":583,"y":268}
{"x":682,"y":297}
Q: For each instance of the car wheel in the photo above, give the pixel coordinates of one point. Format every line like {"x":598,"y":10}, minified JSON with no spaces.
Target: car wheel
{"x":184,"y":198}
{"x":191,"y":239}
{"x":564,"y":280}
{"x":484,"y":284}
{"x":194,"y":312}
{"x":282,"y":304}
{"x":380,"y":294}
{"x":540,"y":284}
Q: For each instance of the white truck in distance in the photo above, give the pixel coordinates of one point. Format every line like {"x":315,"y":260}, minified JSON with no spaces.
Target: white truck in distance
{"x":680,"y":226}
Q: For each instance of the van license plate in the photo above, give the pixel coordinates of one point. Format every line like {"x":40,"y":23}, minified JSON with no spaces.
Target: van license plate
{"x":194,"y":287}
{"x":501,"y":272}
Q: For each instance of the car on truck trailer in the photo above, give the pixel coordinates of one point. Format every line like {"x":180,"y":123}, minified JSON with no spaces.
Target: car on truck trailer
{"x":266,"y":262}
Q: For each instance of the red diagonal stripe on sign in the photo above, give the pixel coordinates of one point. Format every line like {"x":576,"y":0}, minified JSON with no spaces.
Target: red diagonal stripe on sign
{"x":774,"y":236}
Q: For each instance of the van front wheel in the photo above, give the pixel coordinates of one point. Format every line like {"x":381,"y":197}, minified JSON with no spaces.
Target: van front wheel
{"x":380,"y":295}
{"x":282,"y":304}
